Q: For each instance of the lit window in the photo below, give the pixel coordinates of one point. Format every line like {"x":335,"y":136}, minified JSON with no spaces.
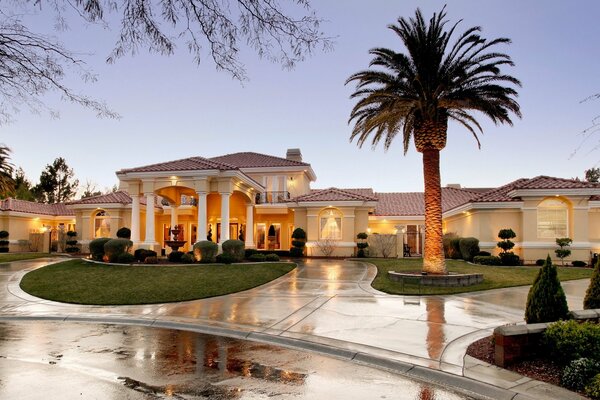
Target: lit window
{"x":330,"y":224}
{"x":552,"y":219}
{"x":101,"y":224}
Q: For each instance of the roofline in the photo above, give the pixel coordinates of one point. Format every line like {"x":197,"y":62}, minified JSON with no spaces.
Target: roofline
{"x":192,"y":173}
{"x":295,"y":168}
{"x":339,"y":203}
{"x":482,"y":206}
{"x":553,"y":192}
{"x":38,"y":215}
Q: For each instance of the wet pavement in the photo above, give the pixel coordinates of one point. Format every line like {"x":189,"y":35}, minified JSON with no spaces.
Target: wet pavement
{"x":82,"y":361}
{"x":322,"y":303}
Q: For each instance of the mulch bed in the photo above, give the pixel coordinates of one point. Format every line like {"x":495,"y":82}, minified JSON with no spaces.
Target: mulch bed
{"x":539,"y":369}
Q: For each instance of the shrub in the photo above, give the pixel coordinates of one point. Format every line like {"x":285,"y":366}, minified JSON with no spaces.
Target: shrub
{"x":70,"y":242}
{"x":455,"y":253}
{"x":487,"y":260}
{"x":447,"y":244}
{"x":225,"y":258}
{"x":299,"y":233}
{"x":296,"y":252}
{"x":72,"y":249}
{"x":546,"y":301}
{"x":298,"y":243}
{"x":578,"y":373}
{"x":540,"y":262}
{"x":235,"y":249}
{"x":141,"y":254}
{"x":578,"y":263}
{"x":562,"y":252}
{"x":362,"y":235}
{"x":510,"y":259}
{"x":4,"y":242}
{"x":484,"y":253}
{"x":115,"y":247}
{"x":175,"y":256}
{"x":151,"y":260}
{"x":249,"y":252}
{"x":71,"y":234}
{"x":258,"y":257}
{"x":3,"y":249}
{"x":271,"y":257}
{"x":187,"y":258}
{"x":506,"y":244}
{"x":124,"y":233}
{"x":566,"y":341}
{"x":126,"y":258}
{"x":97,"y":248}
{"x":592,"y":294}
{"x":205,"y":251}
{"x":592,"y":390}
{"x":3,"y":234}
{"x":469,"y":247}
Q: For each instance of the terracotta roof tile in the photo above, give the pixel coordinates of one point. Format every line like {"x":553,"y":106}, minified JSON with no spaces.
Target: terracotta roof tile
{"x":256,"y":160}
{"x":30,"y":207}
{"x":118,"y":197}
{"x":184,"y":164}
{"x":413,"y":203}
{"x":335,"y":194}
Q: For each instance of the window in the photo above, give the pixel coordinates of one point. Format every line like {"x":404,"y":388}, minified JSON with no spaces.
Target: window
{"x":261,"y":230}
{"x":552,"y":219}
{"x":274,"y":237}
{"x":330,"y":223}
{"x":101,"y":224}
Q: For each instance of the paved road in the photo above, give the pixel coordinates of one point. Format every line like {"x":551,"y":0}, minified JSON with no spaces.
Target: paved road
{"x":324,"y":302}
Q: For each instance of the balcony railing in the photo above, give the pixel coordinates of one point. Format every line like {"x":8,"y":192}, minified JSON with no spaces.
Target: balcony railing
{"x":272,"y":197}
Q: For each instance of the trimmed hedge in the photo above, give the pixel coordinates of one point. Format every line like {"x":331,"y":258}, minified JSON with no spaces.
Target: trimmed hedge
{"x":578,"y":263}
{"x":126,"y":258}
{"x":566,"y":341}
{"x":97,"y":248}
{"x":3,"y":234}
{"x":124,"y":233}
{"x":225,"y":258}
{"x":235,"y":249}
{"x":175,"y":256}
{"x":115,"y":247}
{"x":206,"y":251}
{"x":510,"y":259}
{"x":249,"y":252}
{"x":187,"y":258}
{"x":487,"y":260}
{"x":257,"y":257}
{"x":271,"y":257}
{"x":141,"y":254}
{"x":469,"y":247}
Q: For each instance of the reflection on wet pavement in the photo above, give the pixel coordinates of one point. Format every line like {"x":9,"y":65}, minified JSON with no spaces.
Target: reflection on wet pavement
{"x":74,"y":360}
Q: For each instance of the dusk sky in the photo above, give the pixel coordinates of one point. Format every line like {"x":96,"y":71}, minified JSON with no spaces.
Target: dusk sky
{"x":173,"y":109}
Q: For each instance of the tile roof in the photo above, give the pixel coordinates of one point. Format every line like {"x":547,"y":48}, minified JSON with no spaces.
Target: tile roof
{"x":413,"y":203}
{"x":118,"y":197}
{"x":184,"y":164}
{"x":256,"y":160}
{"x":335,"y":194}
{"x":31,"y":207}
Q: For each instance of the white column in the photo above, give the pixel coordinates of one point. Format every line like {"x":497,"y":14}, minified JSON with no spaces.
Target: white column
{"x":250,"y":227}
{"x":150,"y":237}
{"x":224,"y":216}
{"x":135,"y":218}
{"x":173,"y":217}
{"x":201,"y":216}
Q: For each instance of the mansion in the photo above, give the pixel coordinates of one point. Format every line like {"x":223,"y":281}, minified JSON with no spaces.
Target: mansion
{"x":261,"y":199}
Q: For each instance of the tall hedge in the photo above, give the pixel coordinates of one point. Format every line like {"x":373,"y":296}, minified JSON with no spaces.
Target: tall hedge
{"x":235,"y":249}
{"x":298,"y":242}
{"x":469,"y":248}
{"x":546,"y":301}
{"x":592,"y":295}
{"x":206,"y":251}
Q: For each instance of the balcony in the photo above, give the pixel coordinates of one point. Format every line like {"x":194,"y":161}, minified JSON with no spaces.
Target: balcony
{"x":272,"y":197}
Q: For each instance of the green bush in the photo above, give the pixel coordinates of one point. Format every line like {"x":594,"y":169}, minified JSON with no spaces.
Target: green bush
{"x":141,"y":254}
{"x":175,"y":256}
{"x":578,"y":263}
{"x":71,"y":242}
{"x":469,"y":247}
{"x":540,"y":262}
{"x":187,"y":258}
{"x":271,"y":257}
{"x":235,"y":249}
{"x":506,"y":244}
{"x":447,"y":244}
{"x":298,"y":243}
{"x":510,"y":259}
{"x":362,"y":235}
{"x":3,"y":249}
{"x":225,"y":258}
{"x":299,"y":233}
{"x":126,"y":258}
{"x":578,"y":373}
{"x":484,"y":253}
{"x":258,"y":257}
{"x":4,"y":242}
{"x":566,"y":341}
{"x":71,"y":234}
{"x":3,"y":234}
{"x":115,"y":247}
{"x":362,"y":245}
{"x":455,"y":252}
{"x":296,"y":252}
{"x":249,"y":252}
{"x":562,"y":252}
{"x":546,"y":301}
{"x":151,"y":260}
{"x":592,"y":294}
{"x":124,"y":233}
{"x":72,"y":249}
{"x":97,"y":248}
{"x":592,"y":389}
{"x":487,"y":260}
{"x":206,"y":251}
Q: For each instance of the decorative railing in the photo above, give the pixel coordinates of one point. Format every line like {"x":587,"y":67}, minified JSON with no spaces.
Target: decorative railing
{"x":272,"y":197}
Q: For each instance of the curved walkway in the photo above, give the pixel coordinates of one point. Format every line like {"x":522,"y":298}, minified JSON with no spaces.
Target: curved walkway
{"x":329,"y":306}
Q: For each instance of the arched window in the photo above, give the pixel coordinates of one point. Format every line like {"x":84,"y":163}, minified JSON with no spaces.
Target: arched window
{"x":552,"y":219}
{"x":101,"y":224}
{"x":330,"y":224}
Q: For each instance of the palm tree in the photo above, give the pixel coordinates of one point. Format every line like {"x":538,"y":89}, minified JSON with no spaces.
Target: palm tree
{"x":7,"y":185}
{"x":416,"y":92}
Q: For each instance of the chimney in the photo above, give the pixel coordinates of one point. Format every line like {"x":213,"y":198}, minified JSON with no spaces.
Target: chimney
{"x":294,"y":155}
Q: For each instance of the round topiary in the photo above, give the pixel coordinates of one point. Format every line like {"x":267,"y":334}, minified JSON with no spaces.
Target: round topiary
{"x":234,"y":248}
{"x":187,"y":258}
{"x":141,"y":254}
{"x":124,"y":233}
{"x":71,"y":234}
{"x":258,"y":257}
{"x":299,"y":234}
{"x":578,"y":373}
{"x":115,"y":247}
{"x":3,"y":234}
{"x":272,"y":257}
{"x":546,"y":301}
{"x":205,"y":251}
{"x":97,"y":248}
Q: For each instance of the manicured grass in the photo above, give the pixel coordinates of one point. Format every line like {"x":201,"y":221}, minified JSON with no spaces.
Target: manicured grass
{"x":77,"y":281}
{"x":494,"y":277}
{"x":8,"y":257}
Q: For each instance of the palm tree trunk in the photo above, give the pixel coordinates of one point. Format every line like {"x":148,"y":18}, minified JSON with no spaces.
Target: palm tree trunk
{"x":433,"y":259}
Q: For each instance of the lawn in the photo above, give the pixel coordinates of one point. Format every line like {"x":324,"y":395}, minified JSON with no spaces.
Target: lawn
{"x":494,"y":277}
{"x":77,"y":281}
{"x":8,"y":257}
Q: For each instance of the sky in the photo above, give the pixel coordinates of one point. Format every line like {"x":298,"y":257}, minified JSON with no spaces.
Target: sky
{"x":171,"y":108}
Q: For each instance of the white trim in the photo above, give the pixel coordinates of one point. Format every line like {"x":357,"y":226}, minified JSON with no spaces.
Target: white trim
{"x":397,"y":217}
{"x":337,"y":203}
{"x":594,"y":204}
{"x":484,"y":206}
{"x":307,"y":169}
{"x":545,"y":245}
{"x":40,"y":216}
{"x":553,"y":192}
{"x":313,"y":244}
